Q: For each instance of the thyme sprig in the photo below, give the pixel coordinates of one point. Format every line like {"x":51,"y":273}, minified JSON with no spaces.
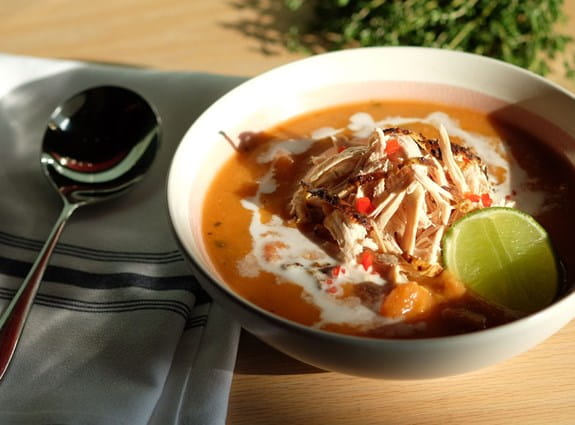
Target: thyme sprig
{"x":521,"y":32}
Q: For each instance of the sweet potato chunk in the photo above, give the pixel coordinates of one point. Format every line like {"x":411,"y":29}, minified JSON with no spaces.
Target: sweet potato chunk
{"x":407,"y":301}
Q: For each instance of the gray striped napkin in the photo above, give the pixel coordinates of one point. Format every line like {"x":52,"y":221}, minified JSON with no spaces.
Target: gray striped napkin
{"x":120,"y":332}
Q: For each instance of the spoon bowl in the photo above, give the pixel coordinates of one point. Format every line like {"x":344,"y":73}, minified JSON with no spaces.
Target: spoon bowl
{"x":97,"y":145}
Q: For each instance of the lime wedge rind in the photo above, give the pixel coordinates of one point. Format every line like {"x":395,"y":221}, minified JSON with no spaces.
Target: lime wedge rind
{"x":505,"y":256}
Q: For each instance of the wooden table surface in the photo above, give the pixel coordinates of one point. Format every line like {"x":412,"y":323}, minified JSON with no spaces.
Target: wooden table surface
{"x":240,"y":37}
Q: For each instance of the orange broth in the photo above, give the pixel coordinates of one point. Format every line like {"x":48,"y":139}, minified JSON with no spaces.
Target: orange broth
{"x":226,"y":222}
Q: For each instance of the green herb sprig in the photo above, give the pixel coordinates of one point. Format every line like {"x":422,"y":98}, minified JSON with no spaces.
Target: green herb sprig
{"x":521,"y":32}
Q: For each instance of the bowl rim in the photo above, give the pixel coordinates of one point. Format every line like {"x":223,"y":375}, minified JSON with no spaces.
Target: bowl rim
{"x":284,"y":68}
{"x":549,"y":314}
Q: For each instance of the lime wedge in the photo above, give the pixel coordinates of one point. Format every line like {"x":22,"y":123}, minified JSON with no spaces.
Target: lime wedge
{"x":505,"y":256}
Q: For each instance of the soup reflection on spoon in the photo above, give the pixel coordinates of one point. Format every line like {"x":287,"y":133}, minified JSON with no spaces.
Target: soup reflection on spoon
{"x":97,"y":145}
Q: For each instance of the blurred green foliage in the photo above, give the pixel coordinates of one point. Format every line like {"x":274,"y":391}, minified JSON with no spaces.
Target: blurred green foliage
{"x":521,"y":32}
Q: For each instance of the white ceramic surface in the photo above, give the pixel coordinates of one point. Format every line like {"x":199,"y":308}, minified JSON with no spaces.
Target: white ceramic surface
{"x":342,"y":77}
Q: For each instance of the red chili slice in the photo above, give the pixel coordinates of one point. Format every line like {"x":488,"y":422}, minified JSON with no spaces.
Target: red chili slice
{"x":392,"y":146}
{"x":486,"y":200}
{"x":337,"y":270}
{"x":363,"y":205}
{"x":366,"y":259}
{"x":472,"y":197}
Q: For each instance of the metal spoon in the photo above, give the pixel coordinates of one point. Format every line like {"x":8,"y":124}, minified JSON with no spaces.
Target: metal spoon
{"x":97,"y":145}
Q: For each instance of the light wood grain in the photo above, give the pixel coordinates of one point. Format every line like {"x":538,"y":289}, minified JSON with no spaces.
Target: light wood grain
{"x":238,"y":38}
{"x":200,"y":35}
{"x":537,"y":387}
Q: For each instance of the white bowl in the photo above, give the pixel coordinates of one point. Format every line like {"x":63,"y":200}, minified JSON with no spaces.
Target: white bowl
{"x":344,"y":77}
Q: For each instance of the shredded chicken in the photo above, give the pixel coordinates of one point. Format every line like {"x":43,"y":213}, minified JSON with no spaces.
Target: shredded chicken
{"x":411,"y":189}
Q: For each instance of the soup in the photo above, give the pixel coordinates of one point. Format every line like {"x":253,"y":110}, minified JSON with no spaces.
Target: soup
{"x":272,"y":231}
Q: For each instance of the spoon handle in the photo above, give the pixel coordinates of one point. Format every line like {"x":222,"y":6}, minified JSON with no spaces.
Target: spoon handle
{"x":14,"y":316}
